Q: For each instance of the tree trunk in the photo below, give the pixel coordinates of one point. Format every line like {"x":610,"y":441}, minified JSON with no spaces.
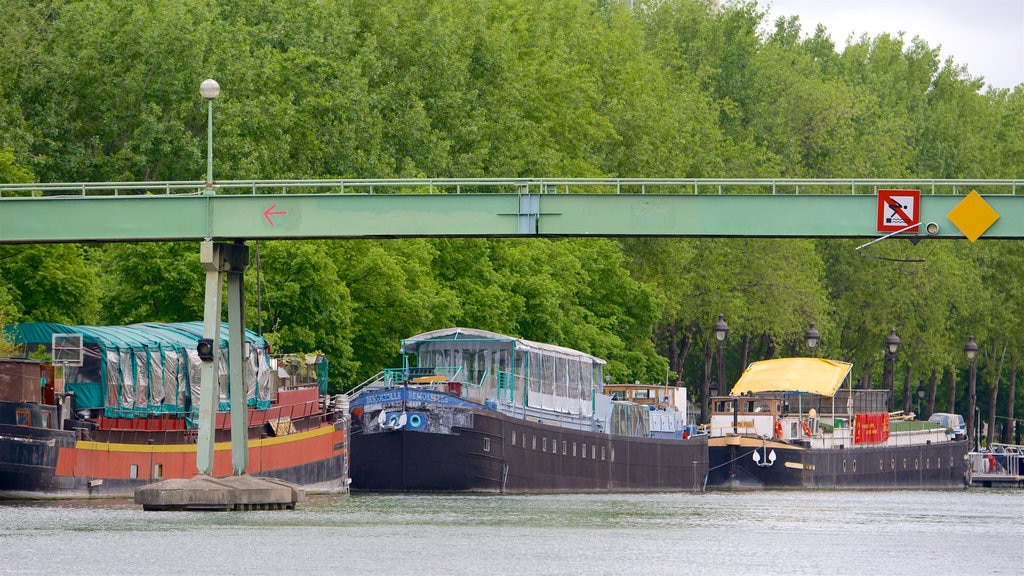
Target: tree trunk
{"x":744,"y":351}
{"x":1010,"y":427}
{"x":933,"y":383}
{"x":673,"y":351}
{"x":951,"y":404}
{"x":993,"y":397}
{"x":908,"y":392}
{"x":705,"y":386}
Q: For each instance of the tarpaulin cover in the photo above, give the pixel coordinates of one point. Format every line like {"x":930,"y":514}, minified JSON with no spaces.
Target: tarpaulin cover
{"x":812,"y":375}
{"x":147,"y":368}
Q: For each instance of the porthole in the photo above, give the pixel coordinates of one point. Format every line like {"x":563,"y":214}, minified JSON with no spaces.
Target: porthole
{"x":928,"y":464}
{"x":544,"y":448}
{"x":892,"y":463}
{"x":603,"y":448}
{"x":916,"y":464}
{"x":534,"y":443}
{"x":565,"y":447}
{"x":844,"y":465}
{"x":573,"y":448}
{"x":613,"y":454}
{"x":904,"y":463}
{"x":487,"y":444}
{"x":584,"y":450}
{"x":881,"y":464}
{"x":593,"y":451}
{"x":513,"y":437}
{"x":855,"y":465}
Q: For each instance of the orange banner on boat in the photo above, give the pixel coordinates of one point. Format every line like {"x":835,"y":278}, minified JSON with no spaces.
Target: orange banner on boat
{"x":871,"y":428}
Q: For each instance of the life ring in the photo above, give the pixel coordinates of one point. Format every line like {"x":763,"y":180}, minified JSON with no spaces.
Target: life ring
{"x":807,"y":429}
{"x":778,"y":429}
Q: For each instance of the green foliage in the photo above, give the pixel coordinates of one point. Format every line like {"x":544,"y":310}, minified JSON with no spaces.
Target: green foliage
{"x":161,"y":282}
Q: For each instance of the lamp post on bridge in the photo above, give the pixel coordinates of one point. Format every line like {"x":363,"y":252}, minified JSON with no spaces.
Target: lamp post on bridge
{"x":209,"y":89}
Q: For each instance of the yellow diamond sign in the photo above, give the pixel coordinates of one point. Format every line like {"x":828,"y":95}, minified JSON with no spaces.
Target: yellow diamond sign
{"x":973,"y":216}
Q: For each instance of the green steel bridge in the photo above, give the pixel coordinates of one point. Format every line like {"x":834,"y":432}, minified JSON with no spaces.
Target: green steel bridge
{"x":294,"y":209}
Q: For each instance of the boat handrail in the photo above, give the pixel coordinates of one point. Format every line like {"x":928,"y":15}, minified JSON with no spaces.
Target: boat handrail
{"x":379,"y":376}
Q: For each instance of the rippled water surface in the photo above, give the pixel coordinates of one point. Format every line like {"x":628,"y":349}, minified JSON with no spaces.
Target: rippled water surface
{"x":950,"y":533}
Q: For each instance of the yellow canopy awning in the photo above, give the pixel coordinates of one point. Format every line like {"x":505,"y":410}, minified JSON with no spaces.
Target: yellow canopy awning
{"x":814,"y":375}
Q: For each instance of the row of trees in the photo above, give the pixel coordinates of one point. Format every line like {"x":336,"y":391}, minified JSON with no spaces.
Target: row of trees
{"x":107,"y":90}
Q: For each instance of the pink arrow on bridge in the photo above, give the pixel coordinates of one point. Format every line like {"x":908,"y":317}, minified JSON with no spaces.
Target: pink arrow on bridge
{"x":270,"y":212}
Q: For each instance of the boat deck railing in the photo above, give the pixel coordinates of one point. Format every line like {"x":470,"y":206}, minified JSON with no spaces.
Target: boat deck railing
{"x":1003,"y":465}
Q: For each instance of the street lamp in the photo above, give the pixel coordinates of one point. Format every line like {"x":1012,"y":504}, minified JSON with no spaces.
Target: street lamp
{"x":920,"y":394}
{"x":209,"y":89}
{"x":812,"y":337}
{"x":721,"y":330}
{"x":971,"y":350}
{"x":892,"y":345}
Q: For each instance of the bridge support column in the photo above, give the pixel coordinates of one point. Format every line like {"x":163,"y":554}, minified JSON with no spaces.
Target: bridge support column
{"x":217,"y":259}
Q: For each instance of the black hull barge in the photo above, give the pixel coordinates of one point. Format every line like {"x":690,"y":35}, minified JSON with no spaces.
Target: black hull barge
{"x":788,"y":424}
{"x":430,"y":428}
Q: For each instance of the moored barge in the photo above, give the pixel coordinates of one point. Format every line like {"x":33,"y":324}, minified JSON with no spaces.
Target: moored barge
{"x":788,"y":423}
{"x":124,"y":417}
{"x":477,"y":411}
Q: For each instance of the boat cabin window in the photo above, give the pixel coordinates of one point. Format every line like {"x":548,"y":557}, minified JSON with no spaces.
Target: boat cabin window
{"x":755,"y":406}
{"x":722,"y":406}
{"x":641,"y":394}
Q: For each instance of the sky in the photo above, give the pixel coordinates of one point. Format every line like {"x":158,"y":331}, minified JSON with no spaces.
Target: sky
{"x":987,"y":36}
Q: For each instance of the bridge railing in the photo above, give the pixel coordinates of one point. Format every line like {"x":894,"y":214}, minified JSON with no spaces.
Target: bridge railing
{"x":702,"y":186}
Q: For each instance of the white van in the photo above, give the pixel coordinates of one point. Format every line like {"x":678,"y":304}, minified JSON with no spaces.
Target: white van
{"x":952,"y":421}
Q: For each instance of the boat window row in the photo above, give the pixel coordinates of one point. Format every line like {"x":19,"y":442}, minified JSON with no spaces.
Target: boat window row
{"x":554,"y":449}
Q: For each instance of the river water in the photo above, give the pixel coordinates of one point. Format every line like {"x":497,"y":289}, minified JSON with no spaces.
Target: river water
{"x":948,"y":533}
